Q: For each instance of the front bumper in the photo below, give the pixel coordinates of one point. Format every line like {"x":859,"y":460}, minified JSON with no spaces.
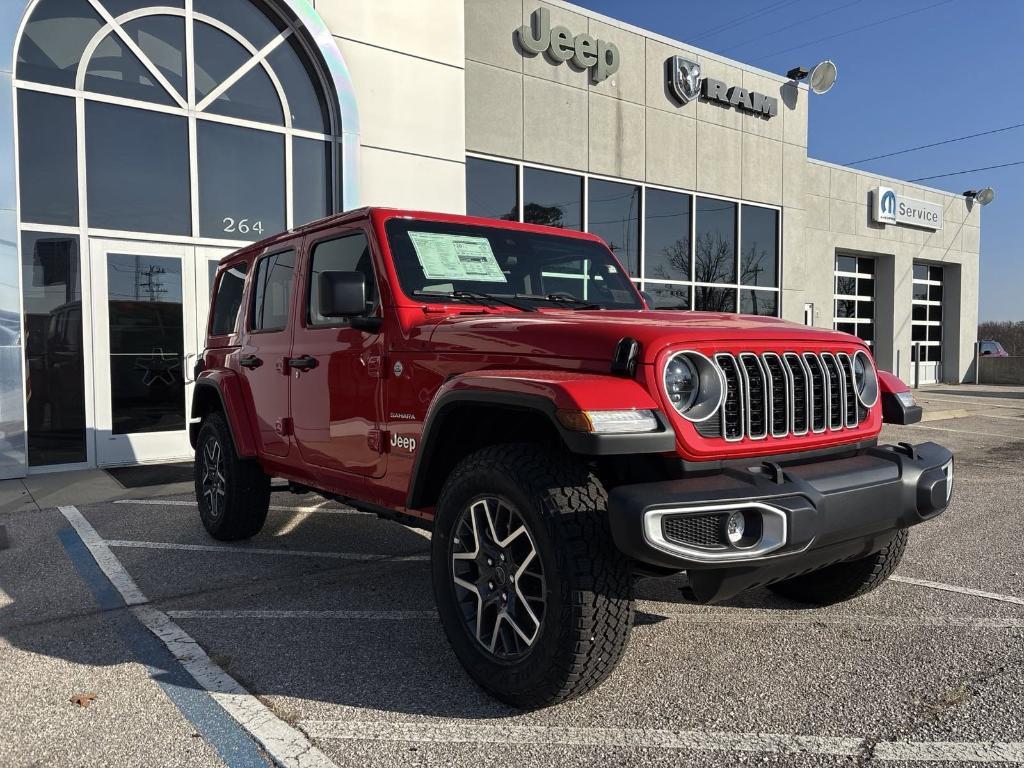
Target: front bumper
{"x":810,"y":515}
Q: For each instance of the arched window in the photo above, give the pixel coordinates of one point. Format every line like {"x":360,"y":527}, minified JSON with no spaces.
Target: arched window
{"x":203,"y":119}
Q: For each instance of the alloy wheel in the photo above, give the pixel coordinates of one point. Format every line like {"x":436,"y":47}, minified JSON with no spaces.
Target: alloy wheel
{"x":213,"y":481}
{"x":498,"y":578}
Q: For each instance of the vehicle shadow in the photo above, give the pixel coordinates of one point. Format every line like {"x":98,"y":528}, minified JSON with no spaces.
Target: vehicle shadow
{"x":60,"y":606}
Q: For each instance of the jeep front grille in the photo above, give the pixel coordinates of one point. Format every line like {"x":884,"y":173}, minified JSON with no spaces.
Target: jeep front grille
{"x":786,"y":394}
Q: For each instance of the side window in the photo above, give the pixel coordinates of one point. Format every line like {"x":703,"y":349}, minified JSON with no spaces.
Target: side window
{"x":350,"y":253}
{"x":228,"y":299}
{"x":272,"y":291}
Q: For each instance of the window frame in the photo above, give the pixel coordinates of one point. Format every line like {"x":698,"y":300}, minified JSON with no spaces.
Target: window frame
{"x":188,"y":105}
{"x":252,"y":291}
{"x":642,"y":281}
{"x":309,"y":248}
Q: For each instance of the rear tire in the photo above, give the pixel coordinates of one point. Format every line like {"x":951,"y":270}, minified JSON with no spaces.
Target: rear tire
{"x":844,"y":581}
{"x":233,"y":493}
{"x":560,"y":578}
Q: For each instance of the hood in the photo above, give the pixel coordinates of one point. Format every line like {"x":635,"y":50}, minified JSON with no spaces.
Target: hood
{"x":593,"y":335}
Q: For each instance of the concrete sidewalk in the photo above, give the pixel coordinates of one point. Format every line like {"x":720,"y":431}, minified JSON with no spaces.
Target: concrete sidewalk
{"x":949,"y":401}
{"x":84,"y":486}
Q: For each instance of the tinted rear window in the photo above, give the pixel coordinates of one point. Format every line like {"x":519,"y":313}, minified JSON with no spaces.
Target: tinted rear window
{"x":228,"y":299}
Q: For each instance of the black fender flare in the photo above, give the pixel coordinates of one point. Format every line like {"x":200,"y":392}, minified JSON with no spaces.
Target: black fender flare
{"x":582,"y":443}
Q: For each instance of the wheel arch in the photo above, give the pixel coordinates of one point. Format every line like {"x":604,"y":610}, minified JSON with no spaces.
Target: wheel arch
{"x":220,"y":392}
{"x":467,"y":416}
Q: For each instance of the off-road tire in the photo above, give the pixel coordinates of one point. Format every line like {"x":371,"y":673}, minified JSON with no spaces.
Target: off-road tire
{"x":844,"y":581}
{"x":588,"y":611}
{"x":242,"y":509}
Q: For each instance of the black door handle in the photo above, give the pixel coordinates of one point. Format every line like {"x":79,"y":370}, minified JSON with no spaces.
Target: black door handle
{"x":250,"y":362}
{"x":304,"y":363}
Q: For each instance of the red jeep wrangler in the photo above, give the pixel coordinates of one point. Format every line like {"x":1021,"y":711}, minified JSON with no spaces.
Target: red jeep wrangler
{"x":507,"y":387}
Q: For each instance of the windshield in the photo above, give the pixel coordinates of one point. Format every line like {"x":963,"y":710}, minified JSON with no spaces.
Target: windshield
{"x":435,"y":260}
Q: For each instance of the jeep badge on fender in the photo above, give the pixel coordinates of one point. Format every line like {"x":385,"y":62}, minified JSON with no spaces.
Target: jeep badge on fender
{"x":557,"y":436}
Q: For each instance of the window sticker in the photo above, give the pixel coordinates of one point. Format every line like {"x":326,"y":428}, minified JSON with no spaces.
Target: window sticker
{"x":456,"y":257}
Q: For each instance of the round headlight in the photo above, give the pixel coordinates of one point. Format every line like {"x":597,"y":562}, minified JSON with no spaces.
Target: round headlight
{"x":681,"y":383}
{"x":694,"y":385}
{"x":865,"y":379}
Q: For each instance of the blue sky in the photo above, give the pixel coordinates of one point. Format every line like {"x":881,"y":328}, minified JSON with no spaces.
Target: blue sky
{"x":950,"y":70}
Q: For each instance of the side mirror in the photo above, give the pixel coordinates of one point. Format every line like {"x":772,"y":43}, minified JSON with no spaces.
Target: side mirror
{"x":342,"y":294}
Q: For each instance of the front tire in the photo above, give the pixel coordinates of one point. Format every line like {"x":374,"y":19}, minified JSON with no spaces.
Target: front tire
{"x":233,"y":493}
{"x":533,"y":594}
{"x":845,"y":581}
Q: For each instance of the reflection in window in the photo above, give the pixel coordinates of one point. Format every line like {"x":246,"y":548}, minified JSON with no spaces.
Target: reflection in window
{"x":614,"y":215}
{"x":301,"y":85}
{"x":273,"y":290}
{"x":667,"y":235}
{"x":147,"y":388}
{"x":162,"y":39}
{"x":251,"y":98}
{"x":715,"y":299}
{"x":759,"y":249}
{"x":311,"y":159}
{"x":345,"y":254}
{"x":669,"y":296}
{"x":54,"y":371}
{"x":241,"y":182}
{"x":715,"y":245}
{"x":55,"y":37}
{"x":47,"y":153}
{"x":229,"y":299}
{"x":217,"y":56}
{"x":138,"y":176}
{"x":115,"y":70}
{"x":492,"y":189}
{"x":553,"y":199}
{"x":759,"y":302}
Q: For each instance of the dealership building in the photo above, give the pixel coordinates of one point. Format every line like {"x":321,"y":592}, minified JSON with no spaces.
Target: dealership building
{"x":142,"y":140}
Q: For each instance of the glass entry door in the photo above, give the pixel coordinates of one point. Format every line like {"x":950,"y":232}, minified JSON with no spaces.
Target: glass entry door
{"x":145,"y":326}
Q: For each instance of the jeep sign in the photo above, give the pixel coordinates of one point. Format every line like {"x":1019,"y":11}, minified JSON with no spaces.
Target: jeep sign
{"x":889,"y":208}
{"x":599,"y":56}
{"x":685,"y":81}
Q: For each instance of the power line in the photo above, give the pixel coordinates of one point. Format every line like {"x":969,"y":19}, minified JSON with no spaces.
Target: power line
{"x":970,"y":170}
{"x":855,"y":29}
{"x":743,"y":19}
{"x":938,"y":143}
{"x":790,"y":26}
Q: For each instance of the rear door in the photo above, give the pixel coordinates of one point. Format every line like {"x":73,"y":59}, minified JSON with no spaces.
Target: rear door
{"x":266,"y":342}
{"x":337,"y":396}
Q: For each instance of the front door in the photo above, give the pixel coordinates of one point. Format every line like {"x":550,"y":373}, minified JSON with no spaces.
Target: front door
{"x":336,"y":395}
{"x":144,"y":326}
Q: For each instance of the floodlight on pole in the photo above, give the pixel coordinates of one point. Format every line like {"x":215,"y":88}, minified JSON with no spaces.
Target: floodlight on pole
{"x":982,"y":196}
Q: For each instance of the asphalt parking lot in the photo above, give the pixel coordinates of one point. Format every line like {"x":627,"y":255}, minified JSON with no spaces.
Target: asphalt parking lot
{"x":318,"y":639}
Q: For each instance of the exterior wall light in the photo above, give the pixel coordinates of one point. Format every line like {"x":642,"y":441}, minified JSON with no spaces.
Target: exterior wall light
{"x":981,"y":196}
{"x":820,"y":79}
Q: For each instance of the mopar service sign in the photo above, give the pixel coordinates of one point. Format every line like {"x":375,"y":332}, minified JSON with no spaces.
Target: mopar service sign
{"x":889,"y":208}
{"x":599,"y":56}
{"x":686,"y":82}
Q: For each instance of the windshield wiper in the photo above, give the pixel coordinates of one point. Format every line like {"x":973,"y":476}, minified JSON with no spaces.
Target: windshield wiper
{"x":557,"y":298}
{"x":476,"y":296}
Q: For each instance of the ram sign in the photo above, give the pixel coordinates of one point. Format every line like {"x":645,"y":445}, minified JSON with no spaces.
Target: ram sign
{"x":887,"y":207}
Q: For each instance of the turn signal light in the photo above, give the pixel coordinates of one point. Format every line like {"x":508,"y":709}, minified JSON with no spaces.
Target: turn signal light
{"x":608,"y":422}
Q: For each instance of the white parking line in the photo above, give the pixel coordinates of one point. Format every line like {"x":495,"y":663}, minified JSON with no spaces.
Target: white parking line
{"x":396,"y":615}
{"x":971,"y":400}
{"x":287,"y":745}
{"x":659,"y":610}
{"x":973,"y":432}
{"x":961,"y":590}
{"x":274,"y":507}
{"x":651,"y":738}
{"x":120,"y":543}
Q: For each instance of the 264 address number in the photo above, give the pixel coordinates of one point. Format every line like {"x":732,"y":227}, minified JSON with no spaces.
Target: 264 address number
{"x":242,"y":226}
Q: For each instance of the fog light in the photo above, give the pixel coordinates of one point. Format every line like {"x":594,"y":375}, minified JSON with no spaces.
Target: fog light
{"x":734,"y":527}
